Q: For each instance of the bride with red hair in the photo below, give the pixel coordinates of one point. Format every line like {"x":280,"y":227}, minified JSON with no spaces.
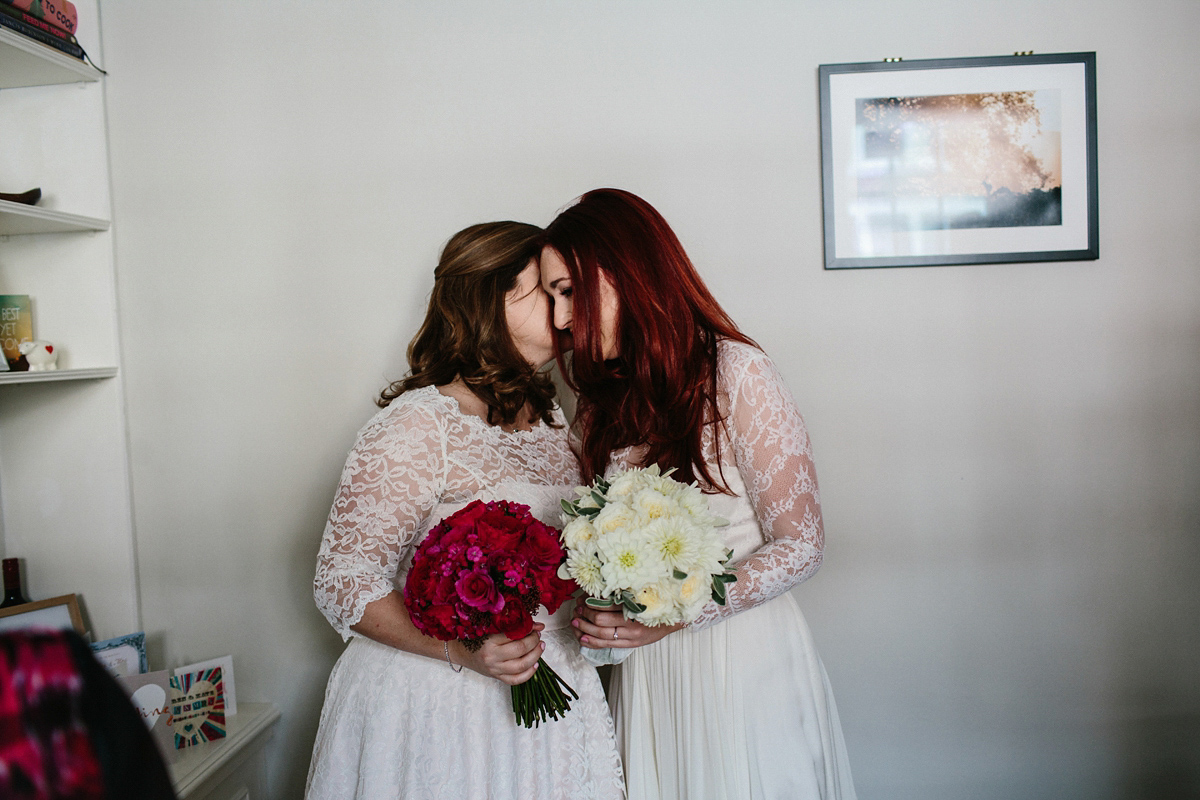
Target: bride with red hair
{"x":737,"y":703}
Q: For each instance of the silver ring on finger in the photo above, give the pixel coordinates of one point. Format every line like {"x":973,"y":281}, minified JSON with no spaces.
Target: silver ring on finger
{"x":616,"y":634}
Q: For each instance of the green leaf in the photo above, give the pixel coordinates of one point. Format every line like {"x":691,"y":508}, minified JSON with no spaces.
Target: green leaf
{"x":633,"y":607}
{"x":718,"y":593}
{"x":602,"y":603}
{"x":679,"y":575}
{"x":569,"y":508}
{"x":599,"y":498}
{"x":590,"y":513}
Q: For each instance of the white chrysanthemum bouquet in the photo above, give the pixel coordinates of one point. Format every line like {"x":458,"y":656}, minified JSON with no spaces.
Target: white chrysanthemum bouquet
{"x":646,"y":543}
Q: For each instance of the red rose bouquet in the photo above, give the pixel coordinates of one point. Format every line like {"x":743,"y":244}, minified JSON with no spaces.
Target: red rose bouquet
{"x":484,"y":570}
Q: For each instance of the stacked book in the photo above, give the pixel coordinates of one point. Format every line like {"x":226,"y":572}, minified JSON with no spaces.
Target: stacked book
{"x":51,"y":22}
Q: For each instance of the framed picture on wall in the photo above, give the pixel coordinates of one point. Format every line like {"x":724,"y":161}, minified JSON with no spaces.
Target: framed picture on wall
{"x":959,"y":161}
{"x":56,"y":613}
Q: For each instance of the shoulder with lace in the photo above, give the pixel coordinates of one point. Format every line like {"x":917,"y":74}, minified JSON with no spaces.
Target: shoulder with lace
{"x":769,"y":445}
{"x":736,"y":360}
{"x":739,"y":367}
{"x":761,"y":416}
{"x":416,"y":407}
{"x":392,"y":479}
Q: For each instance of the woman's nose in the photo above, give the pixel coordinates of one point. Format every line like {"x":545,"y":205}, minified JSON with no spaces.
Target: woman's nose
{"x":562,"y":317}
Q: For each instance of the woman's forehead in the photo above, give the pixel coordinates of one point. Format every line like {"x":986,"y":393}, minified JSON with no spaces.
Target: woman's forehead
{"x":552,"y":264}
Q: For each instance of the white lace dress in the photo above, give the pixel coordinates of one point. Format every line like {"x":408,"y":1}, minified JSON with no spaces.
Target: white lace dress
{"x":398,"y":725}
{"x":738,"y":705}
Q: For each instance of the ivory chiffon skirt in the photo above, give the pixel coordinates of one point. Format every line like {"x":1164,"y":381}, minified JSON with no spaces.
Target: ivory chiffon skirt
{"x":739,"y":710}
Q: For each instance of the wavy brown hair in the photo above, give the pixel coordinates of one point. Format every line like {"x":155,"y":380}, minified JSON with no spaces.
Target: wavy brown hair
{"x":465,"y":333}
{"x":661,"y":390}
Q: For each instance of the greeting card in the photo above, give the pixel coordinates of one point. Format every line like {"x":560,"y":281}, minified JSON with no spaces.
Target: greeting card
{"x":150,"y":693}
{"x":226,"y":665}
{"x":198,"y":707}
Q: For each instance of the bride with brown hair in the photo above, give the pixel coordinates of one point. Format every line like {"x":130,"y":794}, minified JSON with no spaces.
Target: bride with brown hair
{"x":406,"y":715}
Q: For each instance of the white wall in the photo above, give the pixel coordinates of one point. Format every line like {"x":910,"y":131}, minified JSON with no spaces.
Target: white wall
{"x":1009,"y":455}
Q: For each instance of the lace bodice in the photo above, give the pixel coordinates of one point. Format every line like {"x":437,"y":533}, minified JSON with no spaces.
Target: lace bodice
{"x":417,"y":461}
{"x":775,"y":527}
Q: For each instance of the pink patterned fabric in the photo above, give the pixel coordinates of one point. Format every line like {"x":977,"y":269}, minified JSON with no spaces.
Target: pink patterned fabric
{"x":45,"y":750}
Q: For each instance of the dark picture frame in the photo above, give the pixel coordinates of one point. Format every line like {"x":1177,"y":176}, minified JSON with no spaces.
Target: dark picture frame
{"x":959,"y":161}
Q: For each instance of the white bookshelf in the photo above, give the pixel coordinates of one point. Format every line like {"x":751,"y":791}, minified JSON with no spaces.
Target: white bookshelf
{"x":26,"y":62}
{"x":91,"y":374}
{"x":65,"y":503}
{"x":17,"y":219}
{"x":28,"y":66}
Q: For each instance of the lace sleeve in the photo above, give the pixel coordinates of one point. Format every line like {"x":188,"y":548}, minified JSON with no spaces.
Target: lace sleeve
{"x":390,"y":484}
{"x":772,"y":451}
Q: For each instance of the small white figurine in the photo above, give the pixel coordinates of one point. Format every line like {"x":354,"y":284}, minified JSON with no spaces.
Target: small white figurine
{"x":41,"y":355}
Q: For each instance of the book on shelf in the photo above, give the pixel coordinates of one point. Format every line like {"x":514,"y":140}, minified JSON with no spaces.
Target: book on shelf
{"x":59,"y":13}
{"x":40,"y":24}
{"x":16,"y":326}
{"x":66,"y":45}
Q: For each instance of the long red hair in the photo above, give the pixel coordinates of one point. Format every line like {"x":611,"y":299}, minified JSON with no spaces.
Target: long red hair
{"x":661,"y":389}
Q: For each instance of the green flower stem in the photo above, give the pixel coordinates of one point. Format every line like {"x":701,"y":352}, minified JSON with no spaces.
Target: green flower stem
{"x":541,"y":697}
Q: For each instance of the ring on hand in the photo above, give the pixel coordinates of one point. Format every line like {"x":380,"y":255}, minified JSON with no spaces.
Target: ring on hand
{"x":615,"y":634}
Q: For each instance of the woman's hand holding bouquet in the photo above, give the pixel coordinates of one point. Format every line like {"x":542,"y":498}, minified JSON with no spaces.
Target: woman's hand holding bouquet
{"x":510,"y":662}
{"x":645,"y":546}
{"x":477,"y":579}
